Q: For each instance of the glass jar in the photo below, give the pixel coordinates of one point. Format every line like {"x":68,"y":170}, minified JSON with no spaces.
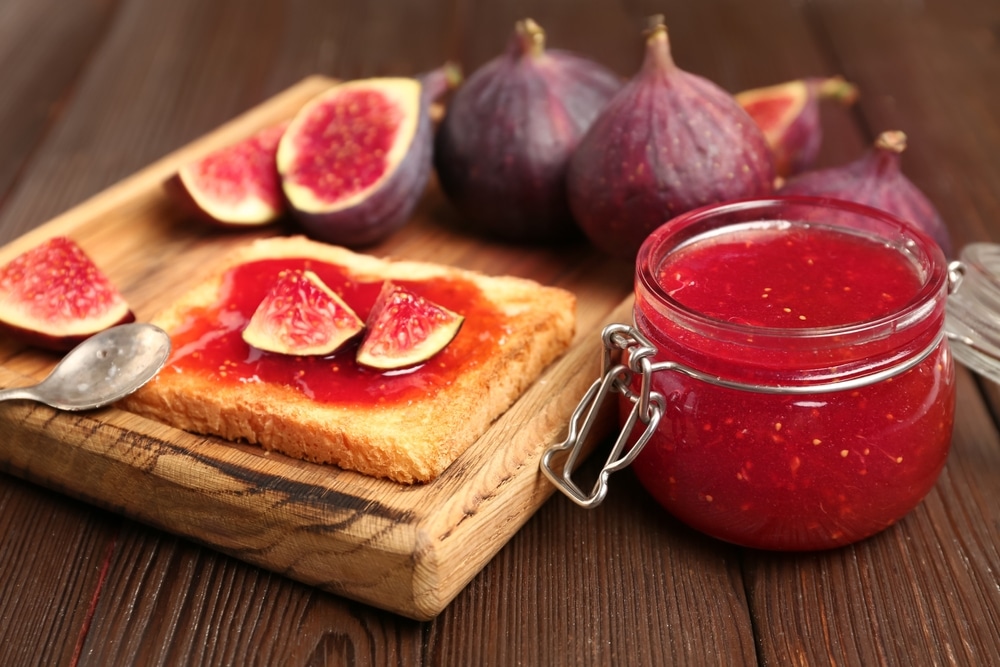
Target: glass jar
{"x":787,"y":382}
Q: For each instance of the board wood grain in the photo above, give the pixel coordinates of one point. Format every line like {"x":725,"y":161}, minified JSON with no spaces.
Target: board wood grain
{"x":408,"y":549}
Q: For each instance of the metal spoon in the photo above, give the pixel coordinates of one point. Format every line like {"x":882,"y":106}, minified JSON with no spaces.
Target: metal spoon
{"x":102,"y":369}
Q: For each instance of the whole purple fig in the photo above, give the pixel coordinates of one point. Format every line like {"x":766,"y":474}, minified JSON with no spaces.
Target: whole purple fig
{"x":502,"y":149}
{"x":668,"y":142}
{"x":875,"y":179}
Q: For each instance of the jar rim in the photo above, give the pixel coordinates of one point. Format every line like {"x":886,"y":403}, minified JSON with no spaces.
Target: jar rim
{"x":910,"y":242}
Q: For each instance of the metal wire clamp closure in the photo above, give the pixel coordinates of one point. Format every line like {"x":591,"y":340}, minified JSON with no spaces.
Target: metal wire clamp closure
{"x":648,"y":405}
{"x":647,"y":408}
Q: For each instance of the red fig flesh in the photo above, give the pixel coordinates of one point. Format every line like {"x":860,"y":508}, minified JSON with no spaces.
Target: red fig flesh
{"x":301,"y":316}
{"x":54,"y":296}
{"x":405,"y":329}
{"x":356,"y":159}
{"x":503,"y":147}
{"x":876,"y":179}
{"x":235,"y":186}
{"x":668,"y":142}
{"x":789,"y":115}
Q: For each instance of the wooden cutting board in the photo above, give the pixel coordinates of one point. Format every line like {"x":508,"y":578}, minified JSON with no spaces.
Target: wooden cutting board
{"x":408,"y":549}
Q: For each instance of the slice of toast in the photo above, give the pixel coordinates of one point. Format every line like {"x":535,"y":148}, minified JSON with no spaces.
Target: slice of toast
{"x":406,"y":425}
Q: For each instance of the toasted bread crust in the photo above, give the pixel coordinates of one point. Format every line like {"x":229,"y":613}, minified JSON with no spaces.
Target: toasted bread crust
{"x":404,"y":441}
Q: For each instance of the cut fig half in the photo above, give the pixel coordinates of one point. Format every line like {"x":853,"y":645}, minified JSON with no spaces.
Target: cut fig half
{"x":301,"y":316}
{"x":235,"y":186}
{"x":355,"y":160}
{"x":405,"y":329}
{"x":789,"y":115}
{"x":53,"y":296}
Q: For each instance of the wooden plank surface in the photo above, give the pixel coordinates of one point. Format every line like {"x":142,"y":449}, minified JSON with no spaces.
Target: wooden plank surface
{"x":621,"y":584}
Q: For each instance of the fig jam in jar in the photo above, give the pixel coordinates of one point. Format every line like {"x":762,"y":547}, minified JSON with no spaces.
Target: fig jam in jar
{"x":787,"y":383}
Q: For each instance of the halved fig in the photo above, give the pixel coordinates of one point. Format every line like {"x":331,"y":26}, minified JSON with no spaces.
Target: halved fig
{"x":405,"y":329}
{"x":788,"y":114}
{"x":356,"y":159}
{"x":235,"y":186}
{"x":54,"y":296}
{"x":301,"y":316}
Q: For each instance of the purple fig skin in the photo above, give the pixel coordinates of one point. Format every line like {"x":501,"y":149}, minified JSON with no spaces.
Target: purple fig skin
{"x":56,"y":342}
{"x":668,"y":142}
{"x":388,"y":206}
{"x":876,"y":179}
{"x":504,"y":145}
{"x":804,"y":137}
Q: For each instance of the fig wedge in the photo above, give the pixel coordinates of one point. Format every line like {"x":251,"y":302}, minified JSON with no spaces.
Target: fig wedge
{"x":236,"y":186}
{"x":405,"y":329}
{"x":53,"y":296}
{"x":301,"y":316}
{"x":356,"y":159}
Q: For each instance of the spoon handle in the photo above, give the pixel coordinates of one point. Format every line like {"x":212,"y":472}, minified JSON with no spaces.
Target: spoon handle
{"x":18,"y":393}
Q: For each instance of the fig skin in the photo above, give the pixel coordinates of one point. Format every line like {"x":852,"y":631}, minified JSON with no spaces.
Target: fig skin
{"x":789,"y":115}
{"x":668,"y":142}
{"x":876,"y":179}
{"x":250,"y":173}
{"x":502,"y":150}
{"x":54,"y":297}
{"x":372,"y":214}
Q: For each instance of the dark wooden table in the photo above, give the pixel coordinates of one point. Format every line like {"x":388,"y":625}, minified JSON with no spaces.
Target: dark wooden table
{"x":93,"y":90}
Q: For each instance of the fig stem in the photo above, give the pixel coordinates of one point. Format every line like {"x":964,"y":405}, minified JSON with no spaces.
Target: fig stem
{"x":839,"y":89}
{"x":893,"y":141}
{"x":529,"y":39}
{"x":658,"y":56}
{"x":439,"y":81}
{"x":886,"y":154}
{"x":452,"y":74}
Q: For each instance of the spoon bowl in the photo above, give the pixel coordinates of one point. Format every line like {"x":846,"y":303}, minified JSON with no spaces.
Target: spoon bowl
{"x":103,"y":369}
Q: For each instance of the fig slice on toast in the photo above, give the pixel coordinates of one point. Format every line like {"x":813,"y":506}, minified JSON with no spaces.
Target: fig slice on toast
{"x":405,"y":329}
{"x":53,"y":296}
{"x":301,"y":316}
{"x":235,"y":186}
